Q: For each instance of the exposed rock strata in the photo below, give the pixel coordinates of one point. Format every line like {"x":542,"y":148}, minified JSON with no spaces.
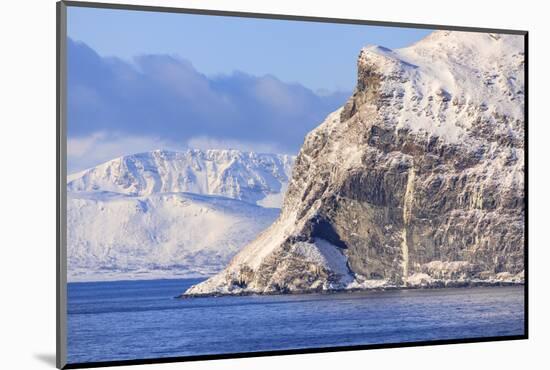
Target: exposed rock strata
{"x":417,"y":181}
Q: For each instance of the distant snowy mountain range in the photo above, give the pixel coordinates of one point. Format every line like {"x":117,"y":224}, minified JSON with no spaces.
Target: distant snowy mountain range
{"x":168,"y":214}
{"x":251,"y":177}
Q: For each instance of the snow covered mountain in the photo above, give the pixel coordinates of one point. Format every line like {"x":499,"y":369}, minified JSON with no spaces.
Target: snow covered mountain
{"x":117,"y":236}
{"x":417,"y":181}
{"x":170,"y":214}
{"x":252,"y":177}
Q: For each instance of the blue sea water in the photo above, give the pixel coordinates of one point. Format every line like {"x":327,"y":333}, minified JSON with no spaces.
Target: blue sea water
{"x":109,"y":321}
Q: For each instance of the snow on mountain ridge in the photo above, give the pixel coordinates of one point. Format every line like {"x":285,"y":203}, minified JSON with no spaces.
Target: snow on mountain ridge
{"x":251,"y":177}
{"x":465,"y":72}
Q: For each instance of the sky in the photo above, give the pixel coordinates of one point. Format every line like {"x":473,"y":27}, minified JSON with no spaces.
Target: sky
{"x":140,"y":81}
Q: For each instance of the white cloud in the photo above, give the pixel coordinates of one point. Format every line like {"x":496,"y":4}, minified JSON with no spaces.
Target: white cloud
{"x":206,"y":142}
{"x":78,"y":147}
{"x":277,"y":94}
{"x":100,"y":147}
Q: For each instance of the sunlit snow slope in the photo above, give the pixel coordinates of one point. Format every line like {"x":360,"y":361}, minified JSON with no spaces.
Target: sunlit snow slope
{"x":170,"y":214}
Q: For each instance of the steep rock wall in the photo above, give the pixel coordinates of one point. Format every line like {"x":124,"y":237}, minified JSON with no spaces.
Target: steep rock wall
{"x":417,"y":180}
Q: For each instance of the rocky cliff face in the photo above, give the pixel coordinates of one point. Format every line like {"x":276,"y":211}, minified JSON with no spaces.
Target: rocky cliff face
{"x":417,"y":180}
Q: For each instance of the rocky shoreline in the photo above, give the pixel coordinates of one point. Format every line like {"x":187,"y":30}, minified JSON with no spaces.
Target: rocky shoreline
{"x":432,"y":285}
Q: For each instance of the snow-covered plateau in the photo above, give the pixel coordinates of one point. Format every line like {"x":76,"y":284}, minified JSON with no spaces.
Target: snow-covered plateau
{"x":418,"y":180}
{"x":168,"y":214}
